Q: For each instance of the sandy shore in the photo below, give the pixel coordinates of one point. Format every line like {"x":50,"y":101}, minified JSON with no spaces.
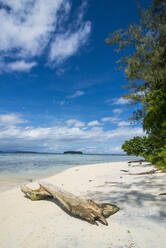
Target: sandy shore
{"x":141,"y":222}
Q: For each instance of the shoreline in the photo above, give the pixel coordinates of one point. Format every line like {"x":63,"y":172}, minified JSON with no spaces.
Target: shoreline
{"x":40,"y":224}
{"x":9,"y":182}
{"x":27,"y":169}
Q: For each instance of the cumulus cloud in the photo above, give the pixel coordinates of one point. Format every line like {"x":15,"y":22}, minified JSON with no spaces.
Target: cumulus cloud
{"x":76,"y":123}
{"x":94,"y":123}
{"x":110,"y":119}
{"x":124,"y":123}
{"x":120,"y":101}
{"x":69,"y":135}
{"x":116,"y":149}
{"x":77,"y":94}
{"x":20,"y":66}
{"x":10,"y":120}
{"x":29,"y":27}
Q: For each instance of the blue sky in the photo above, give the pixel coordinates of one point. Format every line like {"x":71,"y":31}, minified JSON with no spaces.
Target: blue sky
{"x":59,"y":84}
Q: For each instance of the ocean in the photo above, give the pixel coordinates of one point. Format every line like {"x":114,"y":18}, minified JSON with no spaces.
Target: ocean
{"x":18,"y":168}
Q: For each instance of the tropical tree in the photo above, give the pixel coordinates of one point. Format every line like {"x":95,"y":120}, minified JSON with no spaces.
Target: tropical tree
{"x":139,"y":146}
{"x":145,"y":68}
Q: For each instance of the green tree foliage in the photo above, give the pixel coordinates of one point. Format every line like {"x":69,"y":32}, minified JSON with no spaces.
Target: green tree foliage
{"x":134,"y":146}
{"x":138,"y":146}
{"x":145,"y":68}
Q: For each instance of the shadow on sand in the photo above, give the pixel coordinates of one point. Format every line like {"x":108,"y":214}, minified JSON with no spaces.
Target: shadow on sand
{"x":135,"y":194}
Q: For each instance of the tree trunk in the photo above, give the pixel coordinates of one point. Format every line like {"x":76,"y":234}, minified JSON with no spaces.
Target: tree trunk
{"x":85,"y":209}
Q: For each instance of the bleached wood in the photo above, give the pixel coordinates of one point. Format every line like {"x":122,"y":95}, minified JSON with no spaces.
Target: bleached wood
{"x":85,"y":209}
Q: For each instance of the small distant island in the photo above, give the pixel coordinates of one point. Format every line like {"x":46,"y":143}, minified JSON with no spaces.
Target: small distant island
{"x":73,"y":152}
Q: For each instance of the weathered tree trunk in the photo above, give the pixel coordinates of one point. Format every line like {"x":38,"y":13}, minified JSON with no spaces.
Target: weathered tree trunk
{"x":35,"y":194}
{"x":84,"y":209}
{"x":144,"y":172}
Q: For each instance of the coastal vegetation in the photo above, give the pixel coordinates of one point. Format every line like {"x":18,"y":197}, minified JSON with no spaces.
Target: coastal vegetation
{"x":145,"y":69}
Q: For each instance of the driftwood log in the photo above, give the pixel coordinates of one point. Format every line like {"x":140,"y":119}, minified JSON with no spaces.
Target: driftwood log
{"x":138,"y":161}
{"x":85,"y":209}
{"x":144,"y":172}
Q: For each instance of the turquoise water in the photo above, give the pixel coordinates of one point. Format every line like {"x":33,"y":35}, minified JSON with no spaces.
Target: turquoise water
{"x":24,"y":167}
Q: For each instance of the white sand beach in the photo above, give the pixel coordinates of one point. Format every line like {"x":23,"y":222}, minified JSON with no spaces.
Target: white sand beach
{"x":141,"y":221}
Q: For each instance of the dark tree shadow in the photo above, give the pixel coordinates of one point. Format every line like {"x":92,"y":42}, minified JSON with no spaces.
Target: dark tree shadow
{"x":136,"y":194}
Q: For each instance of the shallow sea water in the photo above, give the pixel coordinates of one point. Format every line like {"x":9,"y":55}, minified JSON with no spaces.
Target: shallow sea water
{"x":18,"y":168}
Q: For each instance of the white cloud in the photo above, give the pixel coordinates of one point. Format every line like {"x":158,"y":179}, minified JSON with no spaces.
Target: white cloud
{"x":124,"y":123}
{"x":10,"y":120}
{"x":76,"y":123}
{"x":20,"y":66}
{"x":110,"y":119}
{"x":29,"y":27}
{"x":120,"y":101}
{"x":116,"y":149}
{"x":94,"y":123}
{"x":69,"y":135}
{"x":65,"y":45}
{"x":117,"y":111}
{"x":77,"y":94}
